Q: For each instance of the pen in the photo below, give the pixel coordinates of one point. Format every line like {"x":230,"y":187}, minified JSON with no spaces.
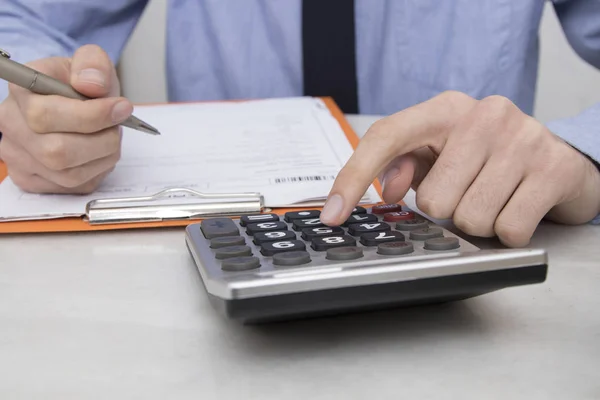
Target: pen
{"x":39,"y":83}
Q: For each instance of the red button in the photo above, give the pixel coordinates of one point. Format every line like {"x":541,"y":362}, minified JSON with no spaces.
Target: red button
{"x":386,"y":208}
{"x":399,"y":216}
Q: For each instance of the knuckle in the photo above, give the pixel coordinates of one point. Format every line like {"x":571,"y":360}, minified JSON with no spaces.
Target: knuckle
{"x":472,"y":224}
{"x":432,"y":206}
{"x":511,"y":233}
{"x":54,"y":153}
{"x":454,"y":96}
{"x":36,"y":114}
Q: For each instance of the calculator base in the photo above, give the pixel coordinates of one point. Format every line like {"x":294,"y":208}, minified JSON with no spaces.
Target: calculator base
{"x":329,"y":302}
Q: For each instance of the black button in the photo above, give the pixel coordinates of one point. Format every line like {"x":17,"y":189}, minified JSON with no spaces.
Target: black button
{"x":426,"y":233}
{"x":344,"y":253}
{"x":251,"y":229}
{"x":270,"y":248}
{"x":215,"y":227}
{"x":324,"y":243}
{"x":395,"y":248}
{"x":306,"y":214}
{"x":253,"y":219}
{"x":224,"y":241}
{"x":359,"y":229}
{"x":411,"y":225}
{"x":441,"y":243}
{"x":360,"y":218}
{"x":274,"y":236}
{"x":240,"y":264}
{"x":291,"y":258}
{"x":359,"y":210}
{"x":309,"y":233}
{"x":232,"y":251}
{"x":374,"y":238}
{"x":300,"y":224}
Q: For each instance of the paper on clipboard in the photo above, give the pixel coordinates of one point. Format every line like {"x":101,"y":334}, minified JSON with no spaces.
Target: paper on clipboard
{"x":289,"y":150}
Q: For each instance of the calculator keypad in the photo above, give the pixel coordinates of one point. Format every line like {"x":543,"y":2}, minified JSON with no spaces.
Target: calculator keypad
{"x":299,"y":238}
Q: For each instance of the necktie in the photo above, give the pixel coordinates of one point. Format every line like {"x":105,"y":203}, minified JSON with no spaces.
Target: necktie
{"x":329,"y":51}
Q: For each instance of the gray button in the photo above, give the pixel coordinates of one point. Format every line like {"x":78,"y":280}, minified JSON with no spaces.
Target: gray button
{"x":411,"y":225}
{"x":216,"y":227}
{"x":395,"y":248}
{"x":442,"y":243}
{"x":344,"y":253}
{"x":291,"y":258}
{"x":232,"y":251}
{"x":225,"y":241}
{"x":426,"y":233}
{"x":240,"y":264}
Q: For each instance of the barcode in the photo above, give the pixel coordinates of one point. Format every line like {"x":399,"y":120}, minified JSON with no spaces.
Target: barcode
{"x":304,"y":178}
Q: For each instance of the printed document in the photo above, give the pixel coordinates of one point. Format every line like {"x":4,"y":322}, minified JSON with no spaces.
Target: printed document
{"x":290,"y":150}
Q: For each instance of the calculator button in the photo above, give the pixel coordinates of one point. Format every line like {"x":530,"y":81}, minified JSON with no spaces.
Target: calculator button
{"x":324,"y":243}
{"x":344,"y":253}
{"x":359,"y":229}
{"x":426,"y":233}
{"x":398,"y":216}
{"x":306,"y":214}
{"x":359,"y":210}
{"x":358,"y":218}
{"x":374,"y":238}
{"x":300,"y":224}
{"x":441,"y":243}
{"x":309,"y":233}
{"x":386,"y":208}
{"x":395,"y":248}
{"x":270,"y":248}
{"x":411,"y":225}
{"x":252,"y":219}
{"x":224,"y":241}
{"x":291,"y":258}
{"x":215,"y":227}
{"x":240,"y":264}
{"x":274,"y":236}
{"x":232,"y":251}
{"x":252,"y":229}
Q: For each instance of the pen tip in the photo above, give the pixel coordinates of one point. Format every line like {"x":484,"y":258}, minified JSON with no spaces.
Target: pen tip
{"x":148,"y":128}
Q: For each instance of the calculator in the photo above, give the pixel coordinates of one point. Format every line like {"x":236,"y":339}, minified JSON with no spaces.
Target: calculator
{"x":269,"y":267}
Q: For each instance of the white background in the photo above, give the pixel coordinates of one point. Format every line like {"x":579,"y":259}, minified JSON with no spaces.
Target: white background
{"x":566,"y":85}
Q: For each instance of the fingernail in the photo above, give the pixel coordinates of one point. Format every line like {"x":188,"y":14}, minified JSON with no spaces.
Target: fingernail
{"x":92,"y":76}
{"x":390,"y":173}
{"x":121,"y":111}
{"x":332,"y":208}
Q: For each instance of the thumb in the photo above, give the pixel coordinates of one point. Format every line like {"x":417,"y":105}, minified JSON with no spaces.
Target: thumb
{"x":405,"y":172}
{"x":93,"y":73}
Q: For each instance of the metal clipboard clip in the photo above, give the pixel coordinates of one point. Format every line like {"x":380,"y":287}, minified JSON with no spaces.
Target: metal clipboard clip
{"x":132,"y":209}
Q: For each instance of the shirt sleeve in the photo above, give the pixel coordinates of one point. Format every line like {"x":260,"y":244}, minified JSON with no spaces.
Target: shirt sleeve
{"x":30,"y":30}
{"x":583,"y":133}
{"x":580,"y":20}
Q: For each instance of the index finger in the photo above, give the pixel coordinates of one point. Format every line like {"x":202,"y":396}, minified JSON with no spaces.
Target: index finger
{"x":426,"y":124}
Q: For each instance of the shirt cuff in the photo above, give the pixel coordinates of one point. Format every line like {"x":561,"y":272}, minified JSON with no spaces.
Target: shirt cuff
{"x":583,"y":133}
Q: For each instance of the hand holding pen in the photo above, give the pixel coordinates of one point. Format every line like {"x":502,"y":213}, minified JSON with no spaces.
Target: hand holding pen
{"x":52,"y":141}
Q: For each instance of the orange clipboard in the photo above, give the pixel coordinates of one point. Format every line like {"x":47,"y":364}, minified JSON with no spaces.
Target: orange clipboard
{"x":79,"y":224}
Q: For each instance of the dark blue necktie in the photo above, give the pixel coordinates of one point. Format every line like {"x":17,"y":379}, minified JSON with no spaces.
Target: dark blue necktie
{"x":329,"y":51}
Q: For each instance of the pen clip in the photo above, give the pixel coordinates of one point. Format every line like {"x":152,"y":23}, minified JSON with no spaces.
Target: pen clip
{"x":134,"y":209}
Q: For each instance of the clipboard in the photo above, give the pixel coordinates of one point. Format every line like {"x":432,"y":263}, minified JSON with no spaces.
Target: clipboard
{"x":135,"y":212}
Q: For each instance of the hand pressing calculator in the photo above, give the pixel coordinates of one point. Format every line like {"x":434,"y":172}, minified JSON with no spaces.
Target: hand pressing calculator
{"x":264,"y":267}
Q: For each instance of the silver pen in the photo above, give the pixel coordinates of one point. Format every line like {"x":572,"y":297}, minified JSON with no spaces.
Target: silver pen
{"x":39,"y":83}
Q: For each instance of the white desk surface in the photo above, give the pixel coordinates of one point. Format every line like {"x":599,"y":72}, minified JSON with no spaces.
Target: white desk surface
{"x":124,"y":316}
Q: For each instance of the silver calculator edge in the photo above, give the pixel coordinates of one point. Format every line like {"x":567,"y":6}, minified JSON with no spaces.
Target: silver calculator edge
{"x":363,"y":272}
